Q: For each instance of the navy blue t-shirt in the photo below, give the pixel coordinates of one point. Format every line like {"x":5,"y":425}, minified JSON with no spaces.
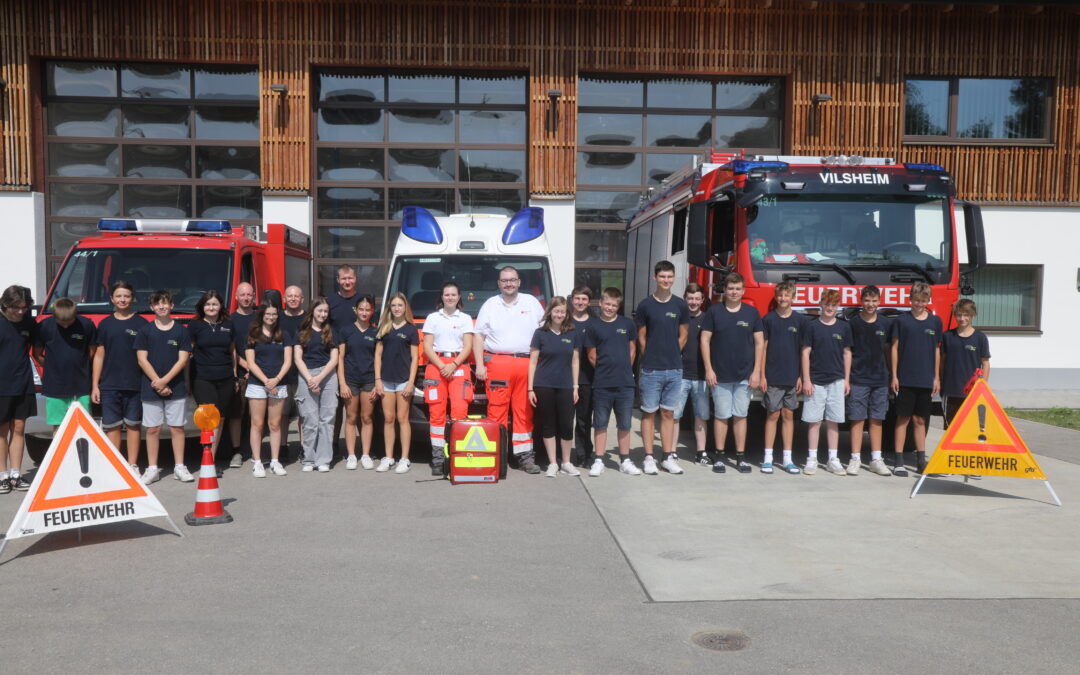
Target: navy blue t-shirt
{"x":869,"y":366}
{"x":241,"y":325}
{"x":67,"y":356}
{"x":554,"y":367}
{"x":291,"y":325}
{"x":163,"y":349}
{"x":662,"y":321}
{"x":342,"y":310}
{"x":212,"y":349}
{"x":827,"y":345}
{"x":316,"y":353}
{"x":963,"y":356}
{"x":693,"y":368}
{"x":585,"y":369}
{"x":15,"y":340}
{"x":397,"y":355}
{"x":359,"y":353}
{"x":270,"y":356}
{"x":731,"y":346}
{"x":919,"y":341}
{"x":783,"y":347}
{"x":120,"y":368}
{"x":611,"y":340}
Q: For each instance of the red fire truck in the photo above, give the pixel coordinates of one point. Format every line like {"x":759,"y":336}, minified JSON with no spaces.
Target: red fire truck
{"x":820,"y":222}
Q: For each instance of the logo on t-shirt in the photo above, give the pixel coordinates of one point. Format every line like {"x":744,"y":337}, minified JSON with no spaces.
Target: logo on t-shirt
{"x":793,"y":329}
{"x":879,"y":333}
{"x":837,"y":336}
{"x":78,"y":336}
{"x":24,"y":333}
{"x":929,"y":331}
{"x":403,"y":336}
{"x":742,"y":324}
{"x":620,"y":331}
{"x":970,"y":348}
{"x":568,"y":341}
{"x":131,"y":331}
{"x":671,"y":315}
{"x":172,"y":343}
{"x":369,"y":338}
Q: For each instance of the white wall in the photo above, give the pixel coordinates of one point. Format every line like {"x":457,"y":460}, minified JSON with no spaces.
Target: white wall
{"x":559,"y":226}
{"x":22,"y":258}
{"x":295,"y":211}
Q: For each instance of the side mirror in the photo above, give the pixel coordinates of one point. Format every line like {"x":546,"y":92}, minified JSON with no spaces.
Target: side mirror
{"x":749,"y":199}
{"x":976,"y":238}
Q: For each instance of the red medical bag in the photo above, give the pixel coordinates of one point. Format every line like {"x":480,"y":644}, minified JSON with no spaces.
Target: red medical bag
{"x":477,"y":451}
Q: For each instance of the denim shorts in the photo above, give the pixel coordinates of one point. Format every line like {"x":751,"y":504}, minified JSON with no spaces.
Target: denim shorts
{"x":393,"y":387}
{"x":827,"y":402}
{"x":258,"y":391}
{"x":120,"y":407}
{"x":659,"y":389}
{"x":866,"y":402}
{"x":698,"y":392}
{"x":619,"y":398}
{"x":731,"y":399}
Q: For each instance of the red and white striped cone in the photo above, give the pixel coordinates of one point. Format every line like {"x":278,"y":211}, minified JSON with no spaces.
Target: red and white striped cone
{"x":208,"y":508}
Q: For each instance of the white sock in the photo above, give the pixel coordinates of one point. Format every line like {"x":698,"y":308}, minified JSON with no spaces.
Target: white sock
{"x":768,"y":456}
{"x":787,"y":457}
{"x":875,"y":455}
{"x":832,"y":454}
{"x":14,"y":473}
{"x":811,"y":456}
{"x":152,"y":466}
{"x":3,"y":475}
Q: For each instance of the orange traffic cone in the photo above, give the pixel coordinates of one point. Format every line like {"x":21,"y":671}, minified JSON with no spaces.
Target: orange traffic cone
{"x":208,"y":508}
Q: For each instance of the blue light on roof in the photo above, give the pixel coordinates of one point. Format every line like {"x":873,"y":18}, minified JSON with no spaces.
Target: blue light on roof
{"x":745,"y":166}
{"x":117,"y":225}
{"x":209,"y":226}
{"x":925,"y":167}
{"x":525,"y":225}
{"x":418,"y":224}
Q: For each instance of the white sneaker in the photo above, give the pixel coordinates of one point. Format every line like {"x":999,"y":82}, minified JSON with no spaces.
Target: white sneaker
{"x":350,"y":463}
{"x":810,"y":469}
{"x":671,"y":465}
{"x":569,"y":469}
{"x":597,"y":467}
{"x":629,"y":468}
{"x":878,"y":466}
{"x":650,"y":465}
{"x":384,"y":464}
{"x":135,"y":469}
{"x":834,"y":466}
{"x":276,"y":468}
{"x":181,"y":473}
{"x":403,"y":466}
{"x":307,"y":468}
{"x":151,"y":475}
{"x":257,"y":469}
{"x":365,"y":461}
{"x":324,"y":468}
{"x":853,"y":466}
{"x":552,"y":470}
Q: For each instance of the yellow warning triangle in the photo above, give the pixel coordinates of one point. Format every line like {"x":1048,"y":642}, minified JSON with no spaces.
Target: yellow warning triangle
{"x":981,"y":440}
{"x":476,"y":441}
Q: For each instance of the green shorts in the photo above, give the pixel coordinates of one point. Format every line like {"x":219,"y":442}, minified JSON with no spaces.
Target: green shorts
{"x":56,"y":408}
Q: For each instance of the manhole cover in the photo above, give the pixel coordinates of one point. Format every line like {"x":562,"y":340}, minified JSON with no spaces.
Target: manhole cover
{"x":722,"y":641}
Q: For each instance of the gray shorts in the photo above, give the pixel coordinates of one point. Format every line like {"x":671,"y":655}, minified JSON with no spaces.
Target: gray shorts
{"x":357,"y":389}
{"x":866,"y":402}
{"x":827,"y":402}
{"x":780,"y":397}
{"x":163,"y":411}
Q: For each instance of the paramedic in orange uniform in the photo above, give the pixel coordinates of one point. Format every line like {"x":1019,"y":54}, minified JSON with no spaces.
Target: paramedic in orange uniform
{"x":504,"y":330}
{"x":447,"y":345}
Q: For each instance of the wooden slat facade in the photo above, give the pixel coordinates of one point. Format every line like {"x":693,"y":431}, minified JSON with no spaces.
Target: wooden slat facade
{"x":859,"y":53}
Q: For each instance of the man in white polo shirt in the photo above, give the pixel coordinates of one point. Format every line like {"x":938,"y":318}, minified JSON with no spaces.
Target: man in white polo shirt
{"x":504,"y":331}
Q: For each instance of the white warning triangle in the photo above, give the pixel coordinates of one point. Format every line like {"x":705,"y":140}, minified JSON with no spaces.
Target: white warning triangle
{"x":82,"y":481}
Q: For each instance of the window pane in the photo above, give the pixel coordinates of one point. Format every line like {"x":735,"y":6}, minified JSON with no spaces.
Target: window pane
{"x":350,"y":164}
{"x":231,"y":123}
{"x":600,"y":245}
{"x":421,"y":89}
{"x":350,"y":126}
{"x":155,"y":81}
{"x":659,"y":167}
{"x":91,"y":200}
{"x":156,"y":121}
{"x":744,"y":95}
{"x":350,"y":88}
{"x":748,"y":132}
{"x":422,"y":126}
{"x":492,"y":126}
{"x":679,"y":93}
{"x":598,"y":280}
{"x":351,"y":242}
{"x":499,"y":202}
{"x":609,"y":168}
{"x":440,"y":201}
{"x":926,"y":107}
{"x":620,"y":93}
{"x":227,"y":84}
{"x":1007,"y":297}
{"x":82,"y":119}
{"x":370,"y":280}
{"x":83,"y":159}
{"x":679,"y":131}
{"x":229,"y":201}
{"x":157,"y":161}
{"x":157,"y":201}
{"x":81,"y":79}
{"x":996,"y":108}
{"x":421,"y":165}
{"x":594,"y":206}
{"x":351,"y":203}
{"x":493,"y":90}
{"x":606,"y":129}
{"x":491,"y":166}
{"x":239,"y":163}
{"x":64,"y":235}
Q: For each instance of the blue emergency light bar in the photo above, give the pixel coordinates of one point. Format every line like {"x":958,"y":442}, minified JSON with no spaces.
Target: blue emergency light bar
{"x":418,"y":224}
{"x":209,"y":226}
{"x":164,"y":226}
{"x":746,"y":166}
{"x":117,"y":225}
{"x":525,"y":225}
{"x":925,"y":167}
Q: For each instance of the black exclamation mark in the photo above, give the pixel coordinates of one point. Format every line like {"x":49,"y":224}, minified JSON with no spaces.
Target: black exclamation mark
{"x":982,"y":423}
{"x":82,"y":448}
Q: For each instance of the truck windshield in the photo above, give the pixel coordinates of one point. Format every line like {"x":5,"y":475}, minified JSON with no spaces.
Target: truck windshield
{"x":421,"y":278}
{"x":902,"y":233}
{"x":186,"y":274}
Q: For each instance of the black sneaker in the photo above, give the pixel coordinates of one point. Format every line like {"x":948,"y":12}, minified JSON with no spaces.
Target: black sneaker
{"x":899,"y":471}
{"x":743,"y":466}
{"x":921,"y":462}
{"x":5,"y":486}
{"x":20,"y":483}
{"x":719,"y":467}
{"x":703,"y":459}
